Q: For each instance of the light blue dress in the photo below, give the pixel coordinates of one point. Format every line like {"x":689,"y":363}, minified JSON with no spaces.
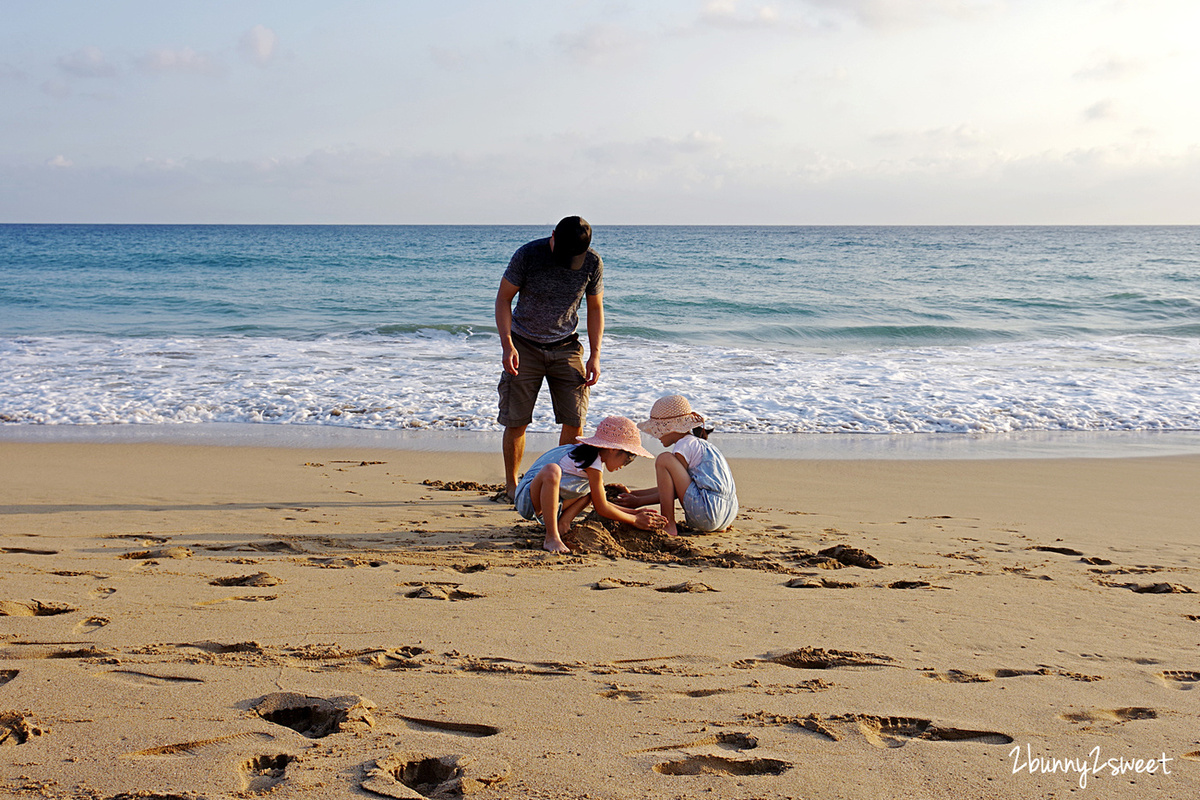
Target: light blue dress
{"x":570,"y":487}
{"x":710,"y":502}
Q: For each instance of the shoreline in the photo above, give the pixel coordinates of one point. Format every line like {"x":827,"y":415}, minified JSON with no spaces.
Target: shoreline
{"x":788,"y":447}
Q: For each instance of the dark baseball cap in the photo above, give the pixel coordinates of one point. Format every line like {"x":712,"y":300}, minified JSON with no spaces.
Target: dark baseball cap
{"x":572,"y":238}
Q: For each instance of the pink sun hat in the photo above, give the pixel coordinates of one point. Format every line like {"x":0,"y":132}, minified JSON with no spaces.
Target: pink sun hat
{"x":618,"y":433}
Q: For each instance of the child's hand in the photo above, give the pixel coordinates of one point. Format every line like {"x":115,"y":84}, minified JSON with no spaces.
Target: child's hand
{"x":649,"y":520}
{"x":626,"y":499}
{"x":613,"y":490}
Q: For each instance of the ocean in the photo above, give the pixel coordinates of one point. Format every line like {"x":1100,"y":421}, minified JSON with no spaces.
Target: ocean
{"x":787,"y":338}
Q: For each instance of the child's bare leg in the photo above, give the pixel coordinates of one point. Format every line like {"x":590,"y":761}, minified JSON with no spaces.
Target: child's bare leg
{"x":544,"y":493}
{"x":570,"y":511}
{"x":673,"y":481}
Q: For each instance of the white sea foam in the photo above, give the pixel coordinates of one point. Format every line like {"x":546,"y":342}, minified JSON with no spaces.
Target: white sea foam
{"x":446,"y":381}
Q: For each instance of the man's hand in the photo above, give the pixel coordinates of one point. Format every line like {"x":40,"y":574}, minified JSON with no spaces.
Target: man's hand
{"x":511,"y":360}
{"x":591,"y":369}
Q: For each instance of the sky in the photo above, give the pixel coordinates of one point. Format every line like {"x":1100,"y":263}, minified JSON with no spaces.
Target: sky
{"x":790,"y":112}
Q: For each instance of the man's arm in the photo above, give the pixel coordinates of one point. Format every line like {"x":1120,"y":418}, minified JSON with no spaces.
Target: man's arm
{"x":504,"y":298}
{"x":595,"y":329}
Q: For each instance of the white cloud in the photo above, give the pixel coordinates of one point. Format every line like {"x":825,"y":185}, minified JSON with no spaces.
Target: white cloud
{"x":657,"y":150}
{"x":183,"y":60}
{"x":736,"y":14}
{"x":258,"y":44}
{"x":686,"y":180}
{"x":1100,"y":110}
{"x":597,"y":44}
{"x":56,"y":88}
{"x":447,"y":58}
{"x":894,"y":13}
{"x":1109,"y":68}
{"x":88,"y":62}
{"x":959,"y":136}
{"x":60,"y":162}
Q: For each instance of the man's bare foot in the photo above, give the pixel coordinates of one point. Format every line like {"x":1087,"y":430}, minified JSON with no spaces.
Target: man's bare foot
{"x":555,"y":545}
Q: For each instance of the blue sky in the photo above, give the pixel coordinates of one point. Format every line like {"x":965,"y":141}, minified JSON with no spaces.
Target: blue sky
{"x":675,"y":112}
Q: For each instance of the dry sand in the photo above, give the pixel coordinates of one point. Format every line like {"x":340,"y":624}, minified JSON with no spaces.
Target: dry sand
{"x":190,"y":621}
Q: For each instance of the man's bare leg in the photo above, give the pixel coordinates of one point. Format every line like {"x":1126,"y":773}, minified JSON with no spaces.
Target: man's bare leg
{"x":569,"y":434}
{"x":514,"y":453}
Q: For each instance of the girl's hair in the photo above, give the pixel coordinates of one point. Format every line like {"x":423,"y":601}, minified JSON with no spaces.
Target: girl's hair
{"x":584,"y":454}
{"x":701,"y":432}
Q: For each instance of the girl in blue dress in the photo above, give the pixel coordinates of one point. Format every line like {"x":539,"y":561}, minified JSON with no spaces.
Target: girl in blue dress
{"x":693,"y":471}
{"x":565,"y":480}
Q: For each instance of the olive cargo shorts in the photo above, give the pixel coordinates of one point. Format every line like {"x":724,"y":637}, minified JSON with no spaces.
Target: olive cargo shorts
{"x":562,"y":369}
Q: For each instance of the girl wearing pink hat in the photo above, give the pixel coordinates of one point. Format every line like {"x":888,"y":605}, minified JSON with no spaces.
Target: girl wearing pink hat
{"x":693,"y":471}
{"x":572,"y":474}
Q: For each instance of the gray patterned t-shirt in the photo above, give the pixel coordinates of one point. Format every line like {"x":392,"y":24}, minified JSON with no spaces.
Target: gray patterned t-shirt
{"x":547,"y":308}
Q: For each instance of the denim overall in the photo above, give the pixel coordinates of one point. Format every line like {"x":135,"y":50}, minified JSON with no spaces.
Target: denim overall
{"x":710,"y":502}
{"x":569,"y":488}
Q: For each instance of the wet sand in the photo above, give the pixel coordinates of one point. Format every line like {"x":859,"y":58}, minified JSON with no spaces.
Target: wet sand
{"x":205,"y":621}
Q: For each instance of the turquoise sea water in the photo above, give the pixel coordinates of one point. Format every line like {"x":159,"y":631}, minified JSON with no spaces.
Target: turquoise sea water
{"x":771,"y":331}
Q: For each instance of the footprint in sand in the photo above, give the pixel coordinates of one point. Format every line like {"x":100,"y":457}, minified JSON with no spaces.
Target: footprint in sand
{"x":395,"y":658}
{"x":39,"y":651}
{"x":616,"y":583}
{"x":245,"y":598}
{"x":16,"y":729}
{"x":883,"y":732}
{"x":963,"y":676}
{"x":688,"y":587}
{"x":416,"y":775}
{"x":149,"y":679}
{"x":191,"y":748}
{"x":29,"y":551}
{"x":346,"y":562}
{"x":316,"y":717}
{"x":720,"y":765}
{"x":1180,"y":679}
{"x":91,"y":624}
{"x":256,"y":580}
{"x":887,"y":732}
{"x":158,"y":552}
{"x":1064,"y":551}
{"x":732,"y":740}
{"x":263,"y":773}
{"x":638,"y":696}
{"x":1115,"y":716}
{"x":440,"y":591}
{"x":32,"y":608}
{"x":216,"y":648}
{"x":7,"y":675}
{"x":464,"y":728}
{"x":822,"y":583}
{"x":818,"y":658}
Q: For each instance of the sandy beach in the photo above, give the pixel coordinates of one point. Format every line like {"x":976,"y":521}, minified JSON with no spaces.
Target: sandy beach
{"x":219,"y":621}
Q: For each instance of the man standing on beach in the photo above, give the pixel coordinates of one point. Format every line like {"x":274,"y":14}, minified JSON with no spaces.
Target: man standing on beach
{"x":549,"y":278}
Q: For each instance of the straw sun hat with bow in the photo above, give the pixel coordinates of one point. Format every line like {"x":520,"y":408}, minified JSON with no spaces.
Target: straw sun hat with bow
{"x":671,"y":414}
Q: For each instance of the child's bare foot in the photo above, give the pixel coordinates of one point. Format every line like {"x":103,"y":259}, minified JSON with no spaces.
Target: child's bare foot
{"x":555,"y":545}
{"x":671,"y":529}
